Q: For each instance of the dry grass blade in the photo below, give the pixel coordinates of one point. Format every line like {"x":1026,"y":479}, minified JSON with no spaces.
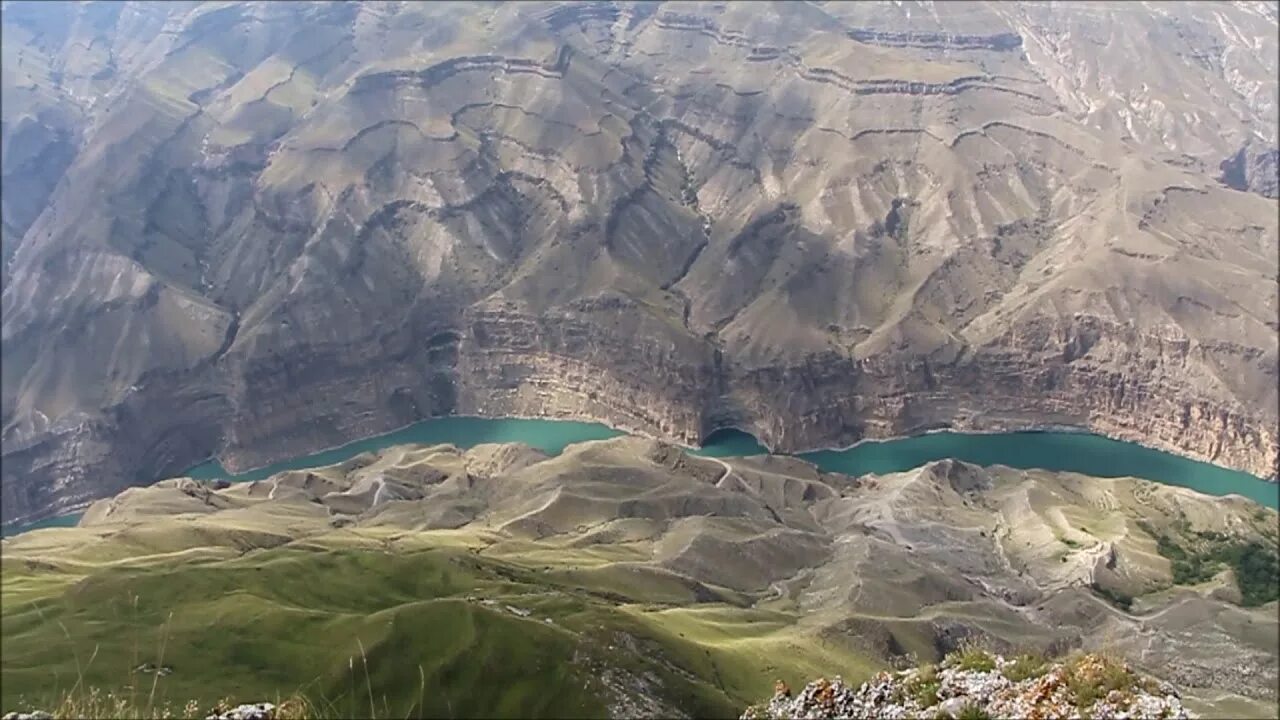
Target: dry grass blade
{"x":367,"y":683}
{"x":155,"y":676}
{"x":422,"y":692}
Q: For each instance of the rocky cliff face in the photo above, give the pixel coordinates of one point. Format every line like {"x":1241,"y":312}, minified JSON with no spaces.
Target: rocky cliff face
{"x":283,"y":226}
{"x":1254,"y":169}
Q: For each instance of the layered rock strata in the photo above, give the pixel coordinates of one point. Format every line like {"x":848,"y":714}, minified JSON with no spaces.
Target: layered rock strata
{"x":814,"y":222}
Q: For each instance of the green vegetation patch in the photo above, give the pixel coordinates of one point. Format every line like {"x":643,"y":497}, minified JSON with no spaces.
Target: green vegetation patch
{"x":1091,"y":678}
{"x":1198,"y":556}
{"x":924,"y":686}
{"x":1025,"y":667}
{"x":1257,"y":571}
{"x":358,"y":631}
{"x":973,"y":658}
{"x":352,"y":631}
{"x":972,"y":712}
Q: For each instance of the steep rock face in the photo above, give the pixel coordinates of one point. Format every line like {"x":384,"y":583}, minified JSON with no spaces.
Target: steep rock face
{"x":286,"y":226}
{"x":1254,"y":169}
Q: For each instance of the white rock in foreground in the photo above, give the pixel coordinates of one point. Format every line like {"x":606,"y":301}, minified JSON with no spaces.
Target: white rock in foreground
{"x":256,"y":711}
{"x":977,"y":685}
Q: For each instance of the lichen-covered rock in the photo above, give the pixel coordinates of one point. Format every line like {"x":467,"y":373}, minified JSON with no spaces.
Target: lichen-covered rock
{"x":32,"y":715}
{"x":1089,"y":686}
{"x":253,"y":711}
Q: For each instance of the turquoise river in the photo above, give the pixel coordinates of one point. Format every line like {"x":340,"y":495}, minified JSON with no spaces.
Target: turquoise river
{"x":1069,"y":451}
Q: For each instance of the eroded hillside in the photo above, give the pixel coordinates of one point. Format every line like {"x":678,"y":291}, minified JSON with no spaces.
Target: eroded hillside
{"x":253,"y":230}
{"x":624,"y":577}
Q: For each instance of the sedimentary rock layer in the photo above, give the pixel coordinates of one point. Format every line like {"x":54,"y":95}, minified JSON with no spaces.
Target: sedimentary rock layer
{"x":257,"y":230}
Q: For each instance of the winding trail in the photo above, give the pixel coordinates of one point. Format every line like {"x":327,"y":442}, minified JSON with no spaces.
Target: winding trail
{"x":728,"y":469}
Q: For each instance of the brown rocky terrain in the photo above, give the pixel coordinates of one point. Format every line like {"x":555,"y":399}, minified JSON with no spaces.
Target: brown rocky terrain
{"x":254,"y":230}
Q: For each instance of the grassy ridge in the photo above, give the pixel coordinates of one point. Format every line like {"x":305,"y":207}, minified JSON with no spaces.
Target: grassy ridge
{"x":364,"y":631}
{"x":286,"y":620}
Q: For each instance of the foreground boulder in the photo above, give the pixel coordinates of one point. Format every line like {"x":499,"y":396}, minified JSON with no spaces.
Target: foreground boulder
{"x":974,"y":684}
{"x":255,"y":711}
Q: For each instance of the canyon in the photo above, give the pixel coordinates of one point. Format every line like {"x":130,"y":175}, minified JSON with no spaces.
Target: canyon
{"x":251,"y":231}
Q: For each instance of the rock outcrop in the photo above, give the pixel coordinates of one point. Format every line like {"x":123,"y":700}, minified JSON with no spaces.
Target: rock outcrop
{"x":1254,"y":169}
{"x":992,"y":687}
{"x":245,"y":711}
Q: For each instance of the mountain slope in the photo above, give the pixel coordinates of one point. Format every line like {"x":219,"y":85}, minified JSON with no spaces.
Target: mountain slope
{"x":254,"y":230}
{"x":624,"y":576}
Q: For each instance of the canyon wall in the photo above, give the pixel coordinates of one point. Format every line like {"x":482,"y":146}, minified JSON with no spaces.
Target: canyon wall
{"x":255,"y":231}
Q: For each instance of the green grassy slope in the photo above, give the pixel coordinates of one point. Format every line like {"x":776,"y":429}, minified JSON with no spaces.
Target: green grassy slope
{"x":431,"y":628}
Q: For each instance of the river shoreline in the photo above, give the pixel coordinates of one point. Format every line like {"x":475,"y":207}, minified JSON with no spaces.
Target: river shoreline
{"x":825,"y":457}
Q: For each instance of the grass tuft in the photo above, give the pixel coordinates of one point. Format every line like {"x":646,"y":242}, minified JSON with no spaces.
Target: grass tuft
{"x":1092,"y":677}
{"x":924,"y":685}
{"x":972,"y":712}
{"x":972,"y":657}
{"x":1025,"y":667}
